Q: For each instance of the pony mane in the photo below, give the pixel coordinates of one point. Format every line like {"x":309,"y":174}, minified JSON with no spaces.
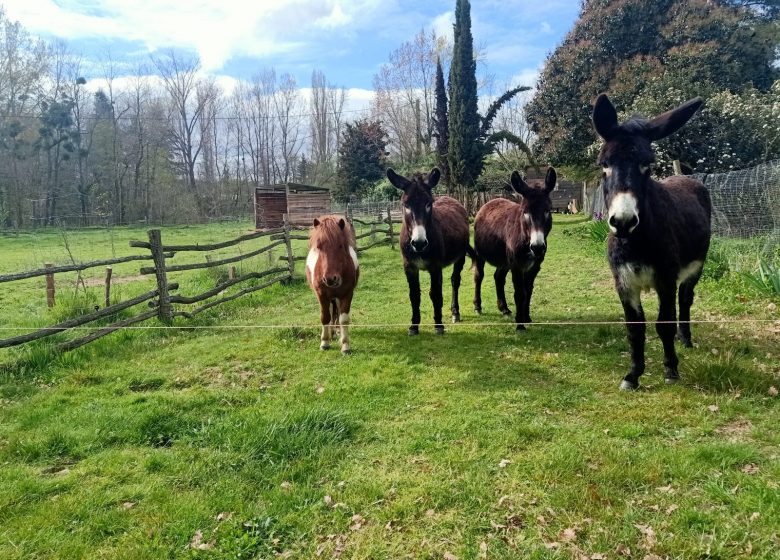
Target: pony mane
{"x":329,"y":232}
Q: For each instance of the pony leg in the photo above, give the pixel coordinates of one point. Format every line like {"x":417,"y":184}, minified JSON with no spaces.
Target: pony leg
{"x":345,"y":304}
{"x":413,"y":279}
{"x":325,"y":318}
{"x":518,"y":282}
{"x":437,"y":299}
{"x":666,"y":327}
{"x":479,"y":274}
{"x":500,"y":277}
{"x":635,"y":326}
{"x":686,"y":301}
{"x":455,"y":281}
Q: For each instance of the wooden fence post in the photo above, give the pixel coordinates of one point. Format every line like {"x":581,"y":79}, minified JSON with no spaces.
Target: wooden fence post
{"x":390,"y":227}
{"x":49,"y":285}
{"x":109,"y":272}
{"x":164,"y":311}
{"x":288,"y":244}
{"x":232,"y":273}
{"x":676,"y":166}
{"x":349,"y":212}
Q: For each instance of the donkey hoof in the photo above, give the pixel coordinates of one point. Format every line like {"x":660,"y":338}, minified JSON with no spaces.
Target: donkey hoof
{"x":627,"y":385}
{"x":506,"y":312}
{"x":439,"y":329}
{"x":520,"y":327}
{"x":456,"y":317}
{"x":686,"y":341}
{"x":478,"y":310}
{"x":671,"y":377}
{"x":414,"y":331}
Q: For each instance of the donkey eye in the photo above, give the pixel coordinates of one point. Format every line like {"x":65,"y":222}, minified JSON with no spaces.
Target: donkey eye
{"x":427,"y":207}
{"x":644,"y":168}
{"x":607,"y":170}
{"x":407,"y":209}
{"x":527,"y":217}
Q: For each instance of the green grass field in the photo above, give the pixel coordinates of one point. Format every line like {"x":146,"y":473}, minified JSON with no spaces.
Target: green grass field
{"x":239,"y":438}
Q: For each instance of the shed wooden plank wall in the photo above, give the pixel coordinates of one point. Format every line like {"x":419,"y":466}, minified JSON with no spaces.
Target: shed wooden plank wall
{"x":270,"y":208}
{"x":303,"y":207}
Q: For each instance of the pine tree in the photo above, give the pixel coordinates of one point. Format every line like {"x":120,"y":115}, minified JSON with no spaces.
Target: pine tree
{"x":442,"y":127}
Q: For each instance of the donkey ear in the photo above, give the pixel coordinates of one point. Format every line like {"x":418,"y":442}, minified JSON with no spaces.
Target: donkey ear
{"x":604,"y":117}
{"x":433,"y":177}
{"x":316,"y":222}
{"x":396,"y":180}
{"x":670,"y":122}
{"x":342,"y":223}
{"x":519,"y":186}
{"x":550,"y":180}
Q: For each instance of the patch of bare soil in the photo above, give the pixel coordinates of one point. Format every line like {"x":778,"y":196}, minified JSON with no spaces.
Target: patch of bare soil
{"x":736,"y":431}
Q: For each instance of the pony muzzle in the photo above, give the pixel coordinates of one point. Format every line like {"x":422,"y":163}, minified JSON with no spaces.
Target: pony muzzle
{"x":332,"y":281}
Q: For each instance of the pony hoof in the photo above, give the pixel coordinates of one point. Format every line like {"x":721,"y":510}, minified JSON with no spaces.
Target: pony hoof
{"x":439,"y":329}
{"x":346,"y":350}
{"x":456,"y":318}
{"x":324,"y":345}
{"x":627,"y":385}
{"x":414,"y":331}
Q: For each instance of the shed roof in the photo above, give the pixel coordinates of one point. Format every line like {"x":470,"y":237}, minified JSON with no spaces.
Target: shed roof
{"x":292,"y":187}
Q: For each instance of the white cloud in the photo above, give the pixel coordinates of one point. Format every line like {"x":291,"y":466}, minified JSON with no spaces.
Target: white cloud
{"x":216,"y":29}
{"x":442,"y":25}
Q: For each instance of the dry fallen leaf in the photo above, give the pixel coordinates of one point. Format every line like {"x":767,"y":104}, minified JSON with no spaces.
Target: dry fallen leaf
{"x":483,"y":548}
{"x":623,"y":550}
{"x":128,"y":505}
{"x":450,"y":556}
{"x":666,"y":489}
{"x":285,"y":485}
{"x":772,"y":391}
{"x":319,"y":389}
{"x":552,"y":545}
{"x":713,"y":408}
{"x":501,"y":500}
{"x":750,"y":468}
{"x":197,"y":542}
{"x":357,"y":522}
{"x":652,"y":557}
{"x":224,"y":516}
{"x":429,"y":513}
{"x":598,"y":556}
{"x":755,"y":515}
{"x":671,"y":509}
{"x":568,"y":535}
{"x":503,"y":463}
{"x":649,"y":535}
{"x":328,"y":500}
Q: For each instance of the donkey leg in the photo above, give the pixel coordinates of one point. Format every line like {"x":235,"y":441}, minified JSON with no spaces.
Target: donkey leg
{"x":686,"y":301}
{"x":325,"y":318}
{"x":479,"y":274}
{"x":636,"y":328}
{"x":528,"y":280}
{"x":666,"y":327}
{"x":345,"y":304}
{"x":437,"y":298}
{"x":518,"y":282}
{"x":413,"y":279}
{"x":500,"y":277}
{"x":457,"y":268}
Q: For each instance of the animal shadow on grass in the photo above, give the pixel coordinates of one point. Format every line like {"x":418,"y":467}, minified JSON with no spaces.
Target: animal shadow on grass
{"x":492,"y":361}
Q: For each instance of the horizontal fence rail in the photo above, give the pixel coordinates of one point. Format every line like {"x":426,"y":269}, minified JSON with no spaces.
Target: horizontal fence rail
{"x":161,"y":300}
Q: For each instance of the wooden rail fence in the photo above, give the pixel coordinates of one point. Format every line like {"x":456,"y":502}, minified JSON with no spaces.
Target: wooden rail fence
{"x":160,"y":300}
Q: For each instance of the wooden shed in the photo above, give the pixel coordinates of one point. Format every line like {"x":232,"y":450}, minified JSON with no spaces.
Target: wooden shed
{"x":302,"y":203}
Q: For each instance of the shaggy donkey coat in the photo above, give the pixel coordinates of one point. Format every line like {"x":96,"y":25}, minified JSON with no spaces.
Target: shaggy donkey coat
{"x":434,"y":234}
{"x":512,"y":236}
{"x":332,"y":271}
{"x":659,"y":231}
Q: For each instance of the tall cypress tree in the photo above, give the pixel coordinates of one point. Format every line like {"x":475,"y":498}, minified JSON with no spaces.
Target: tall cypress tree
{"x":442,"y":127}
{"x":465,"y":154}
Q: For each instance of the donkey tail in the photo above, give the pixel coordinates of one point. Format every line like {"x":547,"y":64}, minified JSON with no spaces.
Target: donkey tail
{"x":471,"y":253}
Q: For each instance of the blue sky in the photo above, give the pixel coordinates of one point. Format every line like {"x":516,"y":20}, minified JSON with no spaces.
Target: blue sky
{"x":346,"y":39}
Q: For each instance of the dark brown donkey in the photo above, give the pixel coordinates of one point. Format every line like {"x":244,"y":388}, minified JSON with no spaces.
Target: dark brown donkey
{"x":332,"y":272}
{"x":434,"y":234}
{"x":660,"y":232}
{"x":512,"y":236}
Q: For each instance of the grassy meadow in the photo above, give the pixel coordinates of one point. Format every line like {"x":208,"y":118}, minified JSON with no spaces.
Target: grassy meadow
{"x":234,"y":436}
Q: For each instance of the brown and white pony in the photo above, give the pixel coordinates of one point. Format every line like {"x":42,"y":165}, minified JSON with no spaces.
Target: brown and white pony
{"x":660,"y":231}
{"x":512,"y":236}
{"x":434,"y":234}
{"x":332,"y":271}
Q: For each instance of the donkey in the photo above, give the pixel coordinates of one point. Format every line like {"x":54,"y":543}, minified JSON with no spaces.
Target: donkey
{"x":434,"y":234}
{"x":332,"y":271}
{"x":513,"y":236}
{"x":659,"y":231}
